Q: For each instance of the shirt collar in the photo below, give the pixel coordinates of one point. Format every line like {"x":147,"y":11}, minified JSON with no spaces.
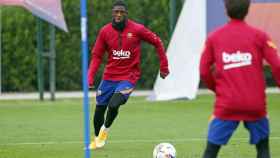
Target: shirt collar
{"x":237,"y":21}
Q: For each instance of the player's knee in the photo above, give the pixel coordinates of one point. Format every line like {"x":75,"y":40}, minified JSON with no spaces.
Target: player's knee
{"x":100,"y":110}
{"x":116,"y":100}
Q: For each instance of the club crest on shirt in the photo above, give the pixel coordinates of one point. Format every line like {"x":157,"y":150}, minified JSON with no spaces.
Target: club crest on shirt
{"x":271,"y":44}
{"x":129,"y":35}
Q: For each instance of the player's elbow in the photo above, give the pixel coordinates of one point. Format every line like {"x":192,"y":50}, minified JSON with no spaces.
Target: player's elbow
{"x":96,"y":56}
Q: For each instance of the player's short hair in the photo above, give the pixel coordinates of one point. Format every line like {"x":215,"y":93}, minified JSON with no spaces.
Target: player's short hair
{"x":237,"y":9}
{"x":120,"y":3}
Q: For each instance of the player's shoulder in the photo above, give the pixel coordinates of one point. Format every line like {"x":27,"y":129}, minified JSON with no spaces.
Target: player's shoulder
{"x":135,"y":24}
{"x":258,"y":33}
{"x":105,"y":30}
{"x":106,"y":27}
{"x":216,"y":32}
{"x":257,"y":30}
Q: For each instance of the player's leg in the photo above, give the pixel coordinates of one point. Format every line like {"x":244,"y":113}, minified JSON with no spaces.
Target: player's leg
{"x":120,"y":96}
{"x":98,"y":118}
{"x":116,"y":101}
{"x":211,"y":150}
{"x":219,"y":133}
{"x":98,"y":121}
{"x":259,"y":135}
{"x":263,"y":148}
{"x":103,"y":95}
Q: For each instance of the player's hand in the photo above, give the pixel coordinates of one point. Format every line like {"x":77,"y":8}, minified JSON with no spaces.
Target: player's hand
{"x":90,"y":86}
{"x":90,"y":83}
{"x":163,"y":75}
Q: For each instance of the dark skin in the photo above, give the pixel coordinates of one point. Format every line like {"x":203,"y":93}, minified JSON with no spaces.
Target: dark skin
{"x":119,"y":13}
{"x":163,"y":75}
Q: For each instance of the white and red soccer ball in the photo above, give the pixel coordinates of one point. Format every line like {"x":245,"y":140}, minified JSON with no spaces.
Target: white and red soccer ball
{"x":164,"y":150}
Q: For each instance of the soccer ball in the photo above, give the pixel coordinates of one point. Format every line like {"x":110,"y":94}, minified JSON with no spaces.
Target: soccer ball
{"x":164,"y":150}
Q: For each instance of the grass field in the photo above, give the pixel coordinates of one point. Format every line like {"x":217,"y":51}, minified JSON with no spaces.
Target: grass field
{"x":33,"y":129}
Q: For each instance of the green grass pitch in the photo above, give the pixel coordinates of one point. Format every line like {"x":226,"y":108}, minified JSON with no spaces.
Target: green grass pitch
{"x":33,"y":129}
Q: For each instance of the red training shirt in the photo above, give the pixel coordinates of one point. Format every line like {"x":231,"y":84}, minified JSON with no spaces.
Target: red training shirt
{"x":232,"y":66}
{"x":124,"y":52}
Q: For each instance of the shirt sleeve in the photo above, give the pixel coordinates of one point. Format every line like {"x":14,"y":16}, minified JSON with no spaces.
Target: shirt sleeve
{"x":153,"y":39}
{"x":272,"y":57}
{"x":205,"y":68}
{"x":97,"y":53}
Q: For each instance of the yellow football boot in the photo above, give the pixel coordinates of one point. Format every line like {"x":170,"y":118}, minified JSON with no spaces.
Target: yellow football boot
{"x":101,"y":139}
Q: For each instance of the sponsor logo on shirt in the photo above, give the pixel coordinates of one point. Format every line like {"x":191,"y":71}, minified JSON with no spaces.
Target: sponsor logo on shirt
{"x":237,"y":59}
{"x":121,"y":54}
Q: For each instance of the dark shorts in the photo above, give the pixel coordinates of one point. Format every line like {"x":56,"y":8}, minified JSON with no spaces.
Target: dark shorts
{"x":220,"y":131}
{"x":107,"y":88}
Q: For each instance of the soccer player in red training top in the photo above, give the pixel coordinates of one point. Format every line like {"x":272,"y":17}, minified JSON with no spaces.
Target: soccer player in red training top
{"x":232,"y":66}
{"x":121,"y":39}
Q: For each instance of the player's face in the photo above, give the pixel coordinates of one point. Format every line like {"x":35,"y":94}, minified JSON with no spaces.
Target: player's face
{"x":119,"y":13}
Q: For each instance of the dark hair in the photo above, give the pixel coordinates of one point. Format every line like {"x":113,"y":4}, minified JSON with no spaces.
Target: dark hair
{"x":237,"y":9}
{"x":120,"y":3}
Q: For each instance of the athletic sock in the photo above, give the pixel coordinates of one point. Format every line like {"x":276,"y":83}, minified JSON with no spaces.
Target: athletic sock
{"x":211,"y":150}
{"x":98,"y":119}
{"x":263,"y":149}
{"x":104,"y":128}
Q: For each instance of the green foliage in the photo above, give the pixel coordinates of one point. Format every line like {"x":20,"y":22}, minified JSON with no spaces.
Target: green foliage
{"x":18,"y":54}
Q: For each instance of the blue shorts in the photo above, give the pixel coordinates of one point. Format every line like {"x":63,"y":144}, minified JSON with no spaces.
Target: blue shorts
{"x":220,"y":131}
{"x":107,"y":88}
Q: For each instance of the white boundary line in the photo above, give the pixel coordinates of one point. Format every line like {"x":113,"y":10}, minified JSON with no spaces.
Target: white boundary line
{"x":128,"y":141}
{"x":79,"y":94}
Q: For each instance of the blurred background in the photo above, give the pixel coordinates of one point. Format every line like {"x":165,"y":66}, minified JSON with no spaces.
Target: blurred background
{"x":19,"y":33}
{"x":18,"y":40}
